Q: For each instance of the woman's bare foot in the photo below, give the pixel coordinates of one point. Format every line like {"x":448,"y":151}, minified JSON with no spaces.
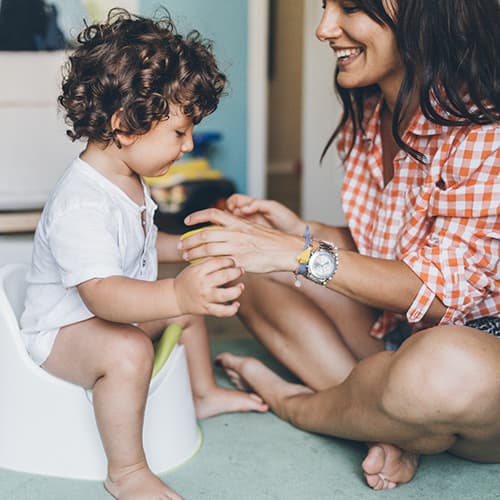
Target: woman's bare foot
{"x":219,"y":400}
{"x":139,"y":484}
{"x":386,"y":466}
{"x":249,"y":374}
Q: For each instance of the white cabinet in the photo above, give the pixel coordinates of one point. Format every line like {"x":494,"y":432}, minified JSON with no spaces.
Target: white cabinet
{"x":34,"y":148}
{"x":15,"y":248}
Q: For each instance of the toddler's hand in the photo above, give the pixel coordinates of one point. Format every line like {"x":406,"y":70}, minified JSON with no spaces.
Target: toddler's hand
{"x":204,"y":288}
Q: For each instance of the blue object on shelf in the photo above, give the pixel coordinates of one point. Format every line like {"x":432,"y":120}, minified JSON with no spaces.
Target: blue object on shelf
{"x":202,"y":140}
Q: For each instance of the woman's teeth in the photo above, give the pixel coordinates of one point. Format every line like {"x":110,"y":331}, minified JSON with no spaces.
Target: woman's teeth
{"x":345,"y":53}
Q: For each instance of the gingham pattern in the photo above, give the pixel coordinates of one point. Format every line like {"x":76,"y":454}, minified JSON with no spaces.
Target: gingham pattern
{"x":441,"y":218}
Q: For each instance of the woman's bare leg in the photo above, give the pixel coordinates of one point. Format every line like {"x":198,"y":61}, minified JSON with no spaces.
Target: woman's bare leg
{"x":437,"y":393}
{"x":318,"y":334}
{"x":209,"y":398}
{"x":115,"y":361}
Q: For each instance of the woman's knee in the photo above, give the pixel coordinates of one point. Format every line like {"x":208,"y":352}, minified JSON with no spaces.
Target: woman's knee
{"x":443,"y":372}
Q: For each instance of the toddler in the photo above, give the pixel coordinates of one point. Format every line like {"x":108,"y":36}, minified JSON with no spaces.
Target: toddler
{"x":134,"y":89}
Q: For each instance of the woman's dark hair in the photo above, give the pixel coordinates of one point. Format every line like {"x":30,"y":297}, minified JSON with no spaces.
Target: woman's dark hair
{"x":138,"y":67}
{"x":449,"y":50}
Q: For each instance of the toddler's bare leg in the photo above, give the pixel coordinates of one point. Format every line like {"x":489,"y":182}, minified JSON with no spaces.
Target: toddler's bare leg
{"x":209,"y":398}
{"x":115,"y":361}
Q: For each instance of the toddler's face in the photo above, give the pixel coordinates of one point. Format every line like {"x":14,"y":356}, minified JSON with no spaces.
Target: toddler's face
{"x":152,"y":154}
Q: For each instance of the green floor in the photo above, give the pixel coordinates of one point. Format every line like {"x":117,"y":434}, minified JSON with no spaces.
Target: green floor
{"x":258,"y":457}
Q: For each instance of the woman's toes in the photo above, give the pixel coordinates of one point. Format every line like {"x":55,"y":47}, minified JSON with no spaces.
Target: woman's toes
{"x":374,"y":461}
{"x":374,"y":481}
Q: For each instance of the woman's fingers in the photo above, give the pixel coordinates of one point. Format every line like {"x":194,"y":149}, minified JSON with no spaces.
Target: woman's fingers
{"x":192,"y":239}
{"x":218,"y":241}
{"x":238,"y":201}
{"x":213,"y":215}
{"x":204,"y":250}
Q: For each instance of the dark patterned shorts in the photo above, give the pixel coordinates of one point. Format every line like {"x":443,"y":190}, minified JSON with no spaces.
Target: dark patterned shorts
{"x":394,"y":339}
{"x":488,"y":324}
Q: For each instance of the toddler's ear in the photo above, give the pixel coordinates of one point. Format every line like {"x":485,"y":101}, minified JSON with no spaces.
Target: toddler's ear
{"x":122,"y":138}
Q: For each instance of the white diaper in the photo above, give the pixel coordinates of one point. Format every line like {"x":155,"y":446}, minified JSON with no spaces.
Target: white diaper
{"x":39,"y":345}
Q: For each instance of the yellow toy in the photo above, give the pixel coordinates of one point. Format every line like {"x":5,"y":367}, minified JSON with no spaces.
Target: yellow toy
{"x":194,"y":231}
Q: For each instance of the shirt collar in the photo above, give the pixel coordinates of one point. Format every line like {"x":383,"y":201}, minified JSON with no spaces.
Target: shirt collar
{"x":373,"y":108}
{"x":419,"y":124}
{"x":111,"y":187}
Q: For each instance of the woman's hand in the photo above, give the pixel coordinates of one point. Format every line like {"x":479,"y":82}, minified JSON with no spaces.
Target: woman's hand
{"x":265,"y":212}
{"x":257,"y":248}
{"x":203,"y":288}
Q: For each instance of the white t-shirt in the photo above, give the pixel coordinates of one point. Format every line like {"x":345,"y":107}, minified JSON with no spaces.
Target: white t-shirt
{"x":89,"y":228}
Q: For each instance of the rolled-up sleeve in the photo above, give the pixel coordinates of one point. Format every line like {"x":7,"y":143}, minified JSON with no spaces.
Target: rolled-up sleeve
{"x":459,"y":263}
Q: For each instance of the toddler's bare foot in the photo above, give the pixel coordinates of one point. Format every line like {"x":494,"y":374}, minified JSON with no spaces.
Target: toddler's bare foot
{"x":219,"y":400}
{"x":386,"y":466}
{"x":249,"y":374}
{"x":139,"y":484}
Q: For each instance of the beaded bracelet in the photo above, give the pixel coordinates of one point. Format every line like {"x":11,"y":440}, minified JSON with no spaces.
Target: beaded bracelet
{"x":303,"y":257}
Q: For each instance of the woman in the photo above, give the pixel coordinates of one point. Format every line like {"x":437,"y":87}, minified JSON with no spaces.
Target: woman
{"x":394,"y":328}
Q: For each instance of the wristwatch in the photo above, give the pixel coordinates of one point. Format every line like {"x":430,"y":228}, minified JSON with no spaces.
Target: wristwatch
{"x":323,"y":263}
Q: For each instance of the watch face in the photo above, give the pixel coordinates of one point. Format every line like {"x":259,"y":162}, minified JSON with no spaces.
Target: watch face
{"x":322,"y":265}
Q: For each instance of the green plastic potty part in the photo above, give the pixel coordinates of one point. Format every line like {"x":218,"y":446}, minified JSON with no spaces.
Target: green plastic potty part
{"x":165,"y":346}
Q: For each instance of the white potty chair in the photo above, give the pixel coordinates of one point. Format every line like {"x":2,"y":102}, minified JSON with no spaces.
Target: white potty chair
{"x":47,"y":425}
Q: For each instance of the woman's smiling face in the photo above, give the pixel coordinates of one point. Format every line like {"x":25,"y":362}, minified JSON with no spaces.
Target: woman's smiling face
{"x":366,"y":51}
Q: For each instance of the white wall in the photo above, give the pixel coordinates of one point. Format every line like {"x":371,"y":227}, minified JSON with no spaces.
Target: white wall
{"x":258,"y":35}
{"x":321,"y":111}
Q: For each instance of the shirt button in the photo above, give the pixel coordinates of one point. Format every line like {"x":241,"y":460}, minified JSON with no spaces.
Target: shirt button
{"x":143,"y":262}
{"x":415,"y":316}
{"x":433,"y":239}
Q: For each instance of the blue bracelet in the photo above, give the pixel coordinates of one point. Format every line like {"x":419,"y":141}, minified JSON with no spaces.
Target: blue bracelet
{"x":308,"y":237}
{"x":302,"y":269}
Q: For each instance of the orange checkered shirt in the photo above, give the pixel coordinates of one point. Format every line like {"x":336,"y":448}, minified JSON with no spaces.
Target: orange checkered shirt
{"x":441,"y":218}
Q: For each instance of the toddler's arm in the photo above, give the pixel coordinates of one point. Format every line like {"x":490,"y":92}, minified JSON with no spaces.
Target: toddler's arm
{"x":166,"y":247}
{"x":198,"y":289}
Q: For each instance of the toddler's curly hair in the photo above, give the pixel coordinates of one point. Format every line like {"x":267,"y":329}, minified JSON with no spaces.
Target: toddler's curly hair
{"x":139,"y":67}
